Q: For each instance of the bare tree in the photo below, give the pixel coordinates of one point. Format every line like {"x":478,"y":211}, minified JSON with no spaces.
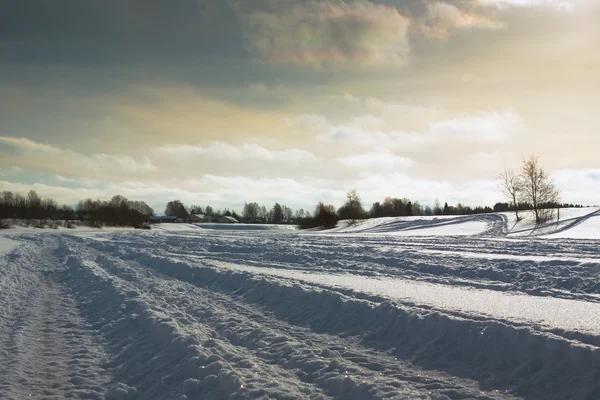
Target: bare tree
{"x":511,"y":185}
{"x":538,"y":190}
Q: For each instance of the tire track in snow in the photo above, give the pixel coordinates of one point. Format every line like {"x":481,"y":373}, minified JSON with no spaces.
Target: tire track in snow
{"x":49,"y":353}
{"x":158,"y":327}
{"x":548,"y":268}
{"x":497,"y":354}
{"x":339,"y":366}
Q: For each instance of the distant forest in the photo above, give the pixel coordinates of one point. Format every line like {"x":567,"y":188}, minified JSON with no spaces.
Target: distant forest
{"x":41,"y":212}
{"x":119,"y":211}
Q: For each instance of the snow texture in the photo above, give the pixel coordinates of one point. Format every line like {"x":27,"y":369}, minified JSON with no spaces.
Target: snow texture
{"x":392,"y":308}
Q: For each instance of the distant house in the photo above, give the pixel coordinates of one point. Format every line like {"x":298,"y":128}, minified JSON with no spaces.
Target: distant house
{"x":201,"y":218}
{"x":228,"y":220}
{"x":195,"y":218}
{"x":162,"y":219}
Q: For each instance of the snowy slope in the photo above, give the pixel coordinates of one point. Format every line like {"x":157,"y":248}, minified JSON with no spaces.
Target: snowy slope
{"x":577,"y":223}
{"x":423,"y":226}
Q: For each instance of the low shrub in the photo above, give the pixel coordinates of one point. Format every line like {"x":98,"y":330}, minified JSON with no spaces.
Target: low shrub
{"x":94,"y":224}
{"x":5,"y":223}
{"x":39,"y":223}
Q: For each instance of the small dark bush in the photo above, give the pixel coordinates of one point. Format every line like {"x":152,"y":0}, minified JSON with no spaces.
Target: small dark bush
{"x":325,"y":217}
{"x":94,"y":224}
{"x":39,"y":223}
{"x":5,"y":224}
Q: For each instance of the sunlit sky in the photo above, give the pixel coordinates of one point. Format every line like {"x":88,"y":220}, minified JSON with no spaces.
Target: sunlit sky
{"x":225,"y":101}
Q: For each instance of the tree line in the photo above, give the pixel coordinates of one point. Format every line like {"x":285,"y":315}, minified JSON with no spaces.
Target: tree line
{"x":327,"y":216}
{"x":530,"y":189}
{"x":118,"y":211}
{"x":176,"y":208}
{"x":252,"y":213}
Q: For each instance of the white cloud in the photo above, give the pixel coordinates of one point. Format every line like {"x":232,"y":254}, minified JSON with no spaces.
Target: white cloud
{"x":367,"y":122}
{"x":381,"y":160}
{"x":567,"y":5}
{"x":443,"y":18}
{"x":483,"y":126}
{"x":312,"y":122}
{"x":100,"y":161}
{"x":374,"y":138}
{"x":578,"y":185}
{"x":325,"y":32}
{"x":246,"y":152}
{"x":96,"y":162}
{"x":472,"y":192}
{"x":362,"y":131}
{"x":387,"y":109}
{"x":25,"y":144}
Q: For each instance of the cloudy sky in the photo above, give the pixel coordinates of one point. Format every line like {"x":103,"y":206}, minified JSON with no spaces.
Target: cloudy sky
{"x":224,"y":101}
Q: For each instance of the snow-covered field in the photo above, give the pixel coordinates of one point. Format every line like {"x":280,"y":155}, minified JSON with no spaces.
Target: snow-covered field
{"x":474,"y":307}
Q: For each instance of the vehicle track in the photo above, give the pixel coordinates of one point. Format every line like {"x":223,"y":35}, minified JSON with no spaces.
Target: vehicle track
{"x":49,"y":353}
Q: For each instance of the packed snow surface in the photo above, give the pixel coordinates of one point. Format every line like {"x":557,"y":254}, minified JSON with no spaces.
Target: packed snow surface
{"x":6,"y":245}
{"x":392,"y":308}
